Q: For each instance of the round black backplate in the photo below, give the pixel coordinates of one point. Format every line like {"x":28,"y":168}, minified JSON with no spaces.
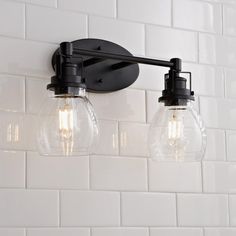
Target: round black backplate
{"x":104,"y":75}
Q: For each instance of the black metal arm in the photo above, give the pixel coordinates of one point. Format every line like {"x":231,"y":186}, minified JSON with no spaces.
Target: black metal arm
{"x":109,"y":67}
{"x":127,"y":59}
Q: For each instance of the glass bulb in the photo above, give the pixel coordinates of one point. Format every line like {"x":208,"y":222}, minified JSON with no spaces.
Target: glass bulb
{"x":67,"y":125}
{"x":177,"y":133}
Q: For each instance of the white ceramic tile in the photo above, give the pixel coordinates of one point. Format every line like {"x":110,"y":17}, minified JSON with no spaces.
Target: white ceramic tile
{"x":12,"y":131}
{"x":102,"y":7}
{"x":107,"y":142}
{"x":217,"y":50}
{"x":58,"y":232}
{"x":230,"y":83}
{"x":124,"y":105}
{"x":57,"y":172}
{"x":73,"y":25}
{"x":232,"y":211}
{"x":218,"y":113}
{"x":29,"y":132}
{"x":127,"y":34}
{"x":26,"y":57}
{"x":49,"y":3}
{"x":150,"y":77}
{"x":197,"y":15}
{"x":28,"y":208}
{"x":120,"y":231}
{"x":202,"y":210}
{"x":12,"y":169}
{"x":12,"y":19}
{"x":133,"y":139}
{"x":118,"y":173}
{"x":229,"y":27}
{"x":159,"y":12}
{"x":174,"y":177}
{"x":36,"y":94}
{"x":152,"y":104}
{"x":231,"y":147}
{"x":176,"y":232}
{"x":90,"y":208}
{"x":12,"y":232}
{"x":215,"y":149}
{"x":220,"y":231}
{"x":149,"y":209}
{"x":17,"y":131}
{"x":219,"y":177}
{"x":12,"y":93}
{"x":206,"y":80}
{"x":169,"y":43}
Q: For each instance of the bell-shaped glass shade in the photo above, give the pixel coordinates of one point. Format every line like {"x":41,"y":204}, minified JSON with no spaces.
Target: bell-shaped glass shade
{"x":67,"y":125}
{"x":177,"y":133}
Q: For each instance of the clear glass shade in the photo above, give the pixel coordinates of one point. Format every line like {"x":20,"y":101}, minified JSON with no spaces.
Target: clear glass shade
{"x":67,"y":126}
{"x":177,"y":133}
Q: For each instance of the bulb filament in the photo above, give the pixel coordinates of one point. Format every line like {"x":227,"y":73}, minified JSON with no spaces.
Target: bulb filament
{"x":176,"y":139}
{"x":66,"y":123}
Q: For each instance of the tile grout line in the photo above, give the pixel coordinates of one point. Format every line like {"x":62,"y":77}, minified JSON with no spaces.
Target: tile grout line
{"x":176,"y":210}
{"x":145,"y":39}
{"x":119,"y":138}
{"x":116,"y":10}
{"x":172,"y":14}
{"x":198,"y":48}
{"x":121,"y":218}
{"x":226,"y":146}
{"x":25,"y":94}
{"x":146,"y":105}
{"x":203,"y":231}
{"x":148,"y":174}
{"x":228,"y":206}
{"x":59,"y":208}
{"x":89,"y":174}
{"x":87,"y":25}
{"x":25,"y":18}
{"x":26,"y":167}
{"x":222,"y":18}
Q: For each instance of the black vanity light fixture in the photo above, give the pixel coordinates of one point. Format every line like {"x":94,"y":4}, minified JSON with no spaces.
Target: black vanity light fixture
{"x":68,"y":124}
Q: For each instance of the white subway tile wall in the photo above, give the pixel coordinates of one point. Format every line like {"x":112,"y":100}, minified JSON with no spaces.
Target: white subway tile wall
{"x":176,"y":232}
{"x":58,"y":231}
{"x":202,"y":210}
{"x":57,"y":172}
{"x":150,"y":209}
{"x":90,"y":208}
{"x":120,"y":173}
{"x":12,"y":232}
{"x":29,"y":208}
{"x":118,"y":191}
{"x":175,"y":177}
{"x":57,"y":22}
{"x":130,"y":231}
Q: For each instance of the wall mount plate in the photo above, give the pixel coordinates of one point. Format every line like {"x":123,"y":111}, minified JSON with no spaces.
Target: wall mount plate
{"x":104,"y":75}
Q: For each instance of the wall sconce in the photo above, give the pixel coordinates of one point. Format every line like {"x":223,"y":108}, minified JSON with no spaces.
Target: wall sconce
{"x":68,"y":125}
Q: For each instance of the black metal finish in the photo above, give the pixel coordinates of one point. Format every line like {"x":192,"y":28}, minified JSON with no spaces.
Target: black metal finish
{"x":176,"y":92}
{"x":99,"y":73}
{"x":124,"y":57}
{"x":68,"y":78}
{"x":103,"y":66}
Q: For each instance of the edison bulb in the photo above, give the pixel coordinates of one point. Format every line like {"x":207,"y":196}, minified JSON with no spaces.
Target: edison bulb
{"x":177,"y":133}
{"x":67,"y":125}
